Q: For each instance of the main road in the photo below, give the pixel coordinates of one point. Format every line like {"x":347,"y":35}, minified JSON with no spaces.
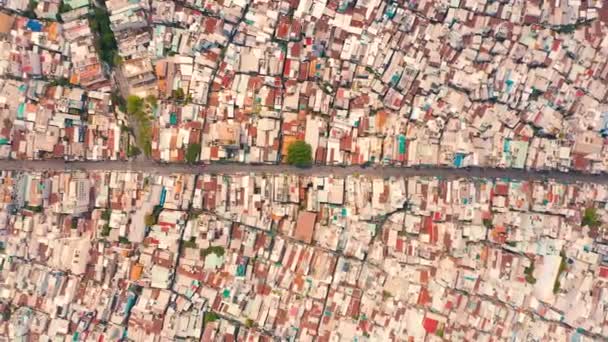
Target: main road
{"x":233,"y":168}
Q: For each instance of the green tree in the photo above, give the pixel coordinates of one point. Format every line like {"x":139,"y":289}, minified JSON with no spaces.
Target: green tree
{"x":191,"y":243}
{"x":107,"y":38}
{"x":217,"y":250}
{"x":178,"y":94}
{"x":135,"y":104}
{"x":570,"y":28}
{"x":299,"y":154}
{"x":152,"y":101}
{"x":529,"y":272}
{"x":62,"y":81}
{"x":135,"y":108}
{"x":147,"y":147}
{"x":105,"y":215}
{"x":30,"y":11}
{"x":93,"y":24}
{"x":117,"y":60}
{"x":556,"y":286}
{"x":36,"y":209}
{"x":64,"y":8}
{"x":106,"y":43}
{"x":105,"y":231}
{"x":563,"y":266}
{"x":150,"y":220}
{"x":118,"y":101}
{"x":192,"y":153}
{"x":209,"y":317}
{"x":591,"y":218}
{"x":133,"y":151}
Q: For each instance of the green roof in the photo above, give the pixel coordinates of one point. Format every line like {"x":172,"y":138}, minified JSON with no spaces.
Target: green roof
{"x":76,"y":3}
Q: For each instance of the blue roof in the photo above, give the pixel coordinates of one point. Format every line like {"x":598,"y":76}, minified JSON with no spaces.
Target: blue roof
{"x":34,"y":25}
{"x":458,"y":158}
{"x":163,"y":196}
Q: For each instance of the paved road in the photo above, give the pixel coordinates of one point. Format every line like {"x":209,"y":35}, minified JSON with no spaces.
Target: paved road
{"x":386,"y":171}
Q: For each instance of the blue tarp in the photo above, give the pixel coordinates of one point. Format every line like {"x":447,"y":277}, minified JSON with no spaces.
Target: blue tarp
{"x":163,"y":197}
{"x":458,"y":158}
{"x":240,"y":270}
{"x":130,"y":303}
{"x":20,"y":111}
{"x":507,"y":145}
{"x":34,"y":25}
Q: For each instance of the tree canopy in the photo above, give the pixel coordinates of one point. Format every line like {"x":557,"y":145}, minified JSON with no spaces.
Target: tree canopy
{"x":190,"y":243}
{"x":64,"y":8}
{"x":192,"y":153}
{"x":133,"y":151}
{"x":150,"y":220}
{"x":217,"y":250}
{"x":299,"y":153}
{"x":591,"y":218}
{"x":106,"y":43}
{"x":178,"y":94}
{"x":135,"y":104}
{"x":152,"y":100}
{"x":136,"y":109}
{"x":209,"y":317}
